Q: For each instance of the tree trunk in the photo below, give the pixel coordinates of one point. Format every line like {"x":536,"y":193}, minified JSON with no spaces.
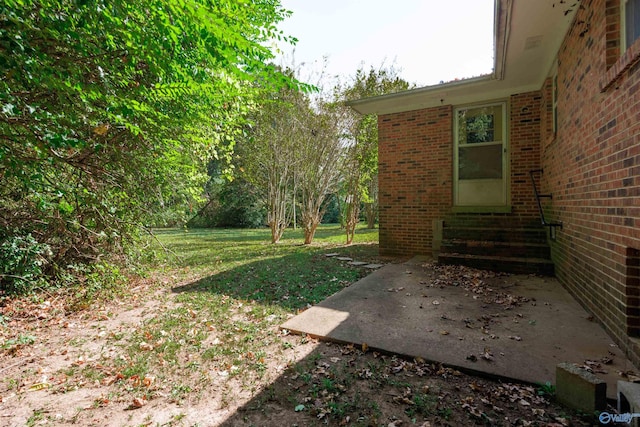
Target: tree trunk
{"x":277,"y":216}
{"x":309,"y":232}
{"x":371,"y":212}
{"x":351,"y":217}
{"x":311,"y":217}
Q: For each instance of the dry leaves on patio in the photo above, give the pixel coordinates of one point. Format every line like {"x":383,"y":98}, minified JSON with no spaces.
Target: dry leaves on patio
{"x":475,"y":282}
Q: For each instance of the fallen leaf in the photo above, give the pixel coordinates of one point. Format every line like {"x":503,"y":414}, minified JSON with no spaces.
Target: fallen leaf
{"x":146,"y":346}
{"x":444,"y":332}
{"x":475,"y":387}
{"x":38,"y":386}
{"x":365,"y":347}
{"x":148,"y":381}
{"x":138,"y":402}
{"x":402,"y":400}
{"x":486,"y":355}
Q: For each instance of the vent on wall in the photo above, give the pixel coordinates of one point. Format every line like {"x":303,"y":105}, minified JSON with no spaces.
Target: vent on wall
{"x":532,"y":42}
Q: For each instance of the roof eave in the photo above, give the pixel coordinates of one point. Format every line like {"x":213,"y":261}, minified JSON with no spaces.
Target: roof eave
{"x":385,"y":103}
{"x":425,"y":96}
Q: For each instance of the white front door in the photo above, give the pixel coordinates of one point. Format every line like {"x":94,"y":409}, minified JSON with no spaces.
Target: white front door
{"x":480,"y":156}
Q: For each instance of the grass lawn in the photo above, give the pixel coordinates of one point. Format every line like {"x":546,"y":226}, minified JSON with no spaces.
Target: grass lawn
{"x":242,"y":287}
{"x":197,"y":343}
{"x":243,"y":264}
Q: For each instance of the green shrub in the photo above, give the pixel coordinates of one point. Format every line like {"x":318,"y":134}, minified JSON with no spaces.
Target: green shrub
{"x":22,"y":261}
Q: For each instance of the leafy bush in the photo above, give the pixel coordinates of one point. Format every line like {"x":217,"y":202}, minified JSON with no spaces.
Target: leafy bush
{"x":332,"y":212}
{"x":22,"y":262}
{"x":234,"y":204}
{"x":108,"y":111}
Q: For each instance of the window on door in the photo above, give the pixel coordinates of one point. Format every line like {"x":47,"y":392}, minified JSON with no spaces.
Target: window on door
{"x":480,"y":143}
{"x":480,"y":171}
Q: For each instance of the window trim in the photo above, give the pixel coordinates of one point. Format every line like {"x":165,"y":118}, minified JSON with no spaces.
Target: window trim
{"x":503,"y":206}
{"x":628,"y":56}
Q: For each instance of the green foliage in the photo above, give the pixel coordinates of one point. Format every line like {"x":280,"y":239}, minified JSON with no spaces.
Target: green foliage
{"x":267,"y":155}
{"x":240,"y":206}
{"x":109,"y":110}
{"x":332,"y":210}
{"x":360,"y":183}
{"x":547,"y":389}
{"x":231,"y":203}
{"x":21,"y":340}
{"x":22,"y":262}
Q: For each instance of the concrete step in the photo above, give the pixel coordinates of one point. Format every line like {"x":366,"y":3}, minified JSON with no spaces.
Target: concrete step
{"x":491,"y":221}
{"x":505,"y":249}
{"x":515,"y":265}
{"x":496,"y":234}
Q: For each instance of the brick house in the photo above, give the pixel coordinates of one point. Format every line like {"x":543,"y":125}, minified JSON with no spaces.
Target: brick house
{"x":460,"y":162}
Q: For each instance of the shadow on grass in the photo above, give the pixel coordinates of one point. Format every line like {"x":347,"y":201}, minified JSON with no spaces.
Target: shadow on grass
{"x":339,"y":385}
{"x":291,"y":281}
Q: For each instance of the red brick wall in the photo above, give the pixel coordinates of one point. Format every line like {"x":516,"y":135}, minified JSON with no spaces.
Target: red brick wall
{"x":415,"y":177}
{"x":592,"y":168}
{"x":524,"y":141}
{"x":416,"y":171}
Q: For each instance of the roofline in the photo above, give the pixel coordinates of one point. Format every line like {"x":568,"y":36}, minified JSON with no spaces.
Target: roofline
{"x":433,"y":89}
{"x":501,"y":29}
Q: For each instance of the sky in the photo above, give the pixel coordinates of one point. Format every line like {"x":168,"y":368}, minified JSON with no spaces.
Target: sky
{"x":428,"y":41}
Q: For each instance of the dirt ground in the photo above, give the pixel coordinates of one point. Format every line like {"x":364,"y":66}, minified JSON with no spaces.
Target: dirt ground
{"x":59,"y":367}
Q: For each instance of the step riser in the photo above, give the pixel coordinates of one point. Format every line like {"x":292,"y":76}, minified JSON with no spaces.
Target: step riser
{"x":491,"y":222}
{"x":496,"y":235}
{"x":496,"y":249}
{"x":503,"y":265}
{"x":498,"y":242}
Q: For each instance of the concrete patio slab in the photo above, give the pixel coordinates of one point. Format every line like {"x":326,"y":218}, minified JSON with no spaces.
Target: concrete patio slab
{"x":517,"y":327}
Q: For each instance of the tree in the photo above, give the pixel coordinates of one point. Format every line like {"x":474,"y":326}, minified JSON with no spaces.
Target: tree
{"x":268,"y":156}
{"x":361,"y":172}
{"x":108,"y":106}
{"x":320,"y":153}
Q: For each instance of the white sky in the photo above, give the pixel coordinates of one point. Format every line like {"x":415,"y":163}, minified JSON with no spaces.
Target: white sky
{"x":428,"y":41}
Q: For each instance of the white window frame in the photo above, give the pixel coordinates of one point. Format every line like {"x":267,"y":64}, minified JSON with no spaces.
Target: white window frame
{"x":506,"y":171}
